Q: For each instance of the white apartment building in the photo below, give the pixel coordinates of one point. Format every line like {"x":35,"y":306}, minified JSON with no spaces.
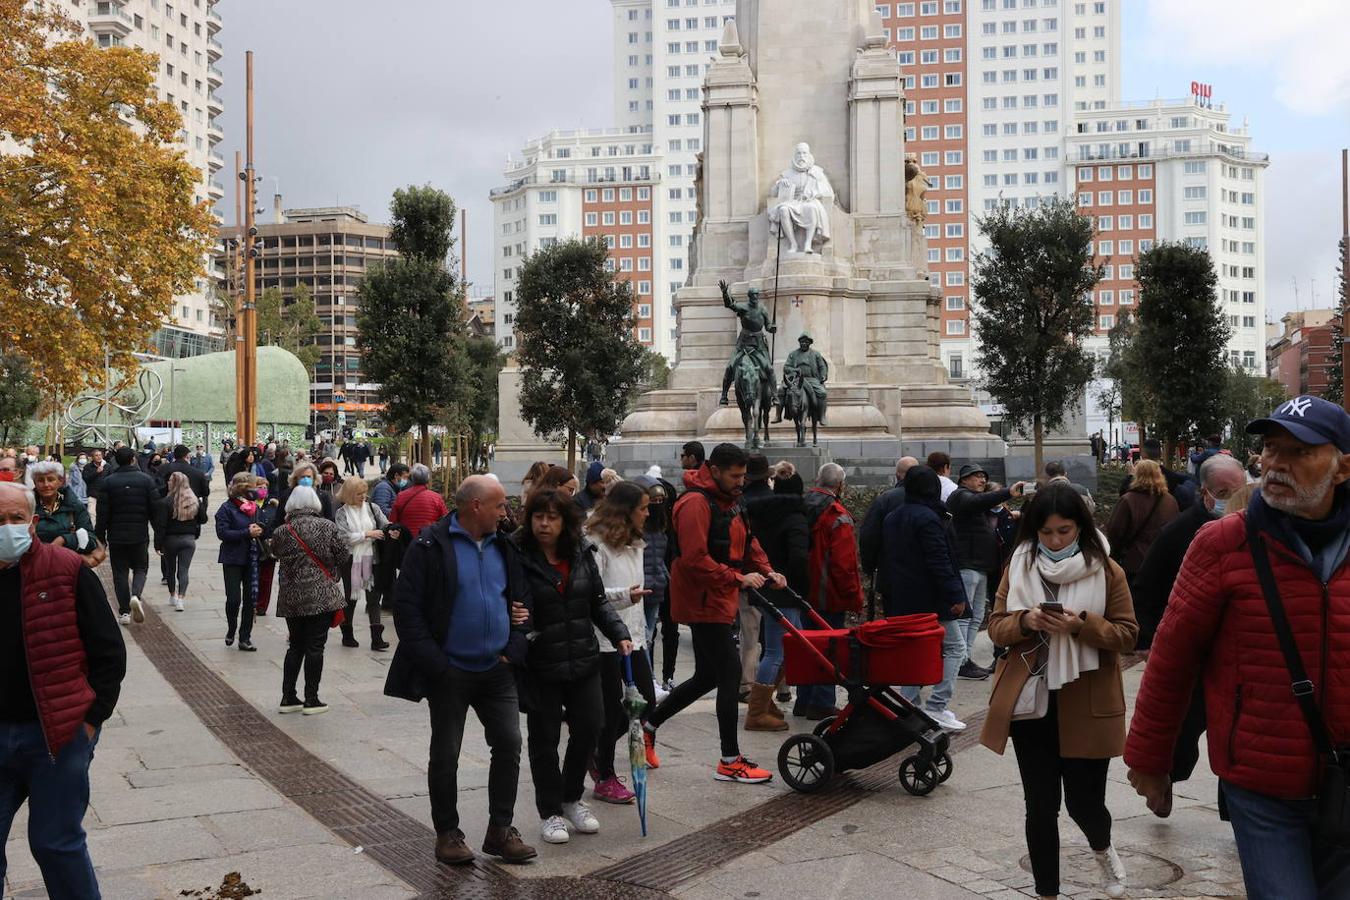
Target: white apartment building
{"x":603,"y":183}
{"x":184,"y":36}
{"x":1174,"y":170}
{"x":662,"y":49}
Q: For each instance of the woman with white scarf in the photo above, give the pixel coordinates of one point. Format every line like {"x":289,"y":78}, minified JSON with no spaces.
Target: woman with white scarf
{"x":363,"y":524}
{"x":1065,"y":615}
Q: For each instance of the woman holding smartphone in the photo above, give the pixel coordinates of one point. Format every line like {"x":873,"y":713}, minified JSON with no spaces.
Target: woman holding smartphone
{"x":1064,"y":612}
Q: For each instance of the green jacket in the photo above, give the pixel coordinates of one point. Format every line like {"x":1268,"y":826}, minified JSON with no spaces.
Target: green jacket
{"x":70,"y":515}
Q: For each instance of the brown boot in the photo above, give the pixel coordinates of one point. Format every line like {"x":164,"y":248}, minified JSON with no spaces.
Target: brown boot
{"x":758,"y":717}
{"x":451,"y":849}
{"x":504,"y":842}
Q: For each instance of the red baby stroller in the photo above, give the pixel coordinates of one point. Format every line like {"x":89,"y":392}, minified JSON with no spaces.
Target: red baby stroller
{"x":877,"y":722}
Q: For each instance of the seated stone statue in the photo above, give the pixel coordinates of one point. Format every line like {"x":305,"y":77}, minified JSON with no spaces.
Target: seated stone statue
{"x":800,"y":203}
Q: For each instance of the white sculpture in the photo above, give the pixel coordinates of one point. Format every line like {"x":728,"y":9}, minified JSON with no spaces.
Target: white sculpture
{"x":800,"y":201}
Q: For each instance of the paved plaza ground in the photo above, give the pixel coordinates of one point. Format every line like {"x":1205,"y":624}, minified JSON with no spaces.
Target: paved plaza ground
{"x":197,"y":777}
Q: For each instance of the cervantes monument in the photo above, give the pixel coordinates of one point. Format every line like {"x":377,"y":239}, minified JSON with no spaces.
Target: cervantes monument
{"x":803,"y":198}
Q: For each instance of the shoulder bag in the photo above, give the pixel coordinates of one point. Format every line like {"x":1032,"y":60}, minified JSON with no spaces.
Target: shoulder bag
{"x":1034,"y":700}
{"x":1332,"y":819}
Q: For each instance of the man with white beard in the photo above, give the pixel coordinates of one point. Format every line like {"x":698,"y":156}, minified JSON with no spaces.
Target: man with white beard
{"x":1260,"y":614}
{"x":801,"y":199}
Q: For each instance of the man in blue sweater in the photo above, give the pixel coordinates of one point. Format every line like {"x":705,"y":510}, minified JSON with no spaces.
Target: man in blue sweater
{"x":461,"y":613}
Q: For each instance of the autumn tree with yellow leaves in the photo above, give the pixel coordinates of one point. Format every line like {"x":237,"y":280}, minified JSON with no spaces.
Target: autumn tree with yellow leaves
{"x":99,"y":229}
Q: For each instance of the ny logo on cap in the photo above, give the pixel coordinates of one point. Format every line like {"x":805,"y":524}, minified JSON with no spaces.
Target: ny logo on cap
{"x":1296,"y":407}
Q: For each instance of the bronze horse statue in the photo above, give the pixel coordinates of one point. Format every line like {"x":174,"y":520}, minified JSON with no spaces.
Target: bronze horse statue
{"x":798,"y":405}
{"x":754,"y":396}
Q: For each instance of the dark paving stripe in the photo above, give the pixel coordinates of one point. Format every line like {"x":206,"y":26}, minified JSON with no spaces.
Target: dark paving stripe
{"x":720,"y":842}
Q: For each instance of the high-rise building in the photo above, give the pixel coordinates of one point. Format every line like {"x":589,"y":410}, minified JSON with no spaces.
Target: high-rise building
{"x":662,"y":49}
{"x":569,"y":184}
{"x":329,"y":250}
{"x":990,"y":89}
{"x":184,"y":35}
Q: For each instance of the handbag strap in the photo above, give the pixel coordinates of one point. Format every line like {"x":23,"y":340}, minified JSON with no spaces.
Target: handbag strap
{"x":1144,"y":524}
{"x":1305,"y":692}
{"x":309,"y":552}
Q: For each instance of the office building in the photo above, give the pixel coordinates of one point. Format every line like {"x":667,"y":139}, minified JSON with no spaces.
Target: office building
{"x":1300,"y":357}
{"x":329,"y":250}
{"x":603,"y":184}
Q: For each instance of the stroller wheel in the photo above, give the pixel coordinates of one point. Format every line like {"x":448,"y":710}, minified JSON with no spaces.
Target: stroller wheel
{"x":943,"y":764}
{"x":823,"y":725}
{"x":806,"y":762}
{"x":918,"y":777}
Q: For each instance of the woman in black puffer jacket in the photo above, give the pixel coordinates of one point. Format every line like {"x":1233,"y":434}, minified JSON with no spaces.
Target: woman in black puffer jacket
{"x":564,"y":658}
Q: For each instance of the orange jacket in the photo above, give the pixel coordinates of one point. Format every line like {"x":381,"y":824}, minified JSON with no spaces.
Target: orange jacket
{"x":702,"y":589}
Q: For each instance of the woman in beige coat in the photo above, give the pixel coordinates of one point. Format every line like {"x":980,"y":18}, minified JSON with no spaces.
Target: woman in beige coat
{"x":1064,"y":612}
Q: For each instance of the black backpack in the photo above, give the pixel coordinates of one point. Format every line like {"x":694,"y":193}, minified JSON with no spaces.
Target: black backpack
{"x":719,"y":529}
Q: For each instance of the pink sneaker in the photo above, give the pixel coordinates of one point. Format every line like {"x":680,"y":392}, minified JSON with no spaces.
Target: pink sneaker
{"x":613,"y":790}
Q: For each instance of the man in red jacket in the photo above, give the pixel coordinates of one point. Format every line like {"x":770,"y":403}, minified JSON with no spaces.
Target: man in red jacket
{"x":1218,"y":628}
{"x":718,"y":557}
{"x":417,"y":506}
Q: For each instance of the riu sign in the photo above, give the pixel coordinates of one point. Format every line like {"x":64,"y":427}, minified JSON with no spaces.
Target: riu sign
{"x":1203,"y":92}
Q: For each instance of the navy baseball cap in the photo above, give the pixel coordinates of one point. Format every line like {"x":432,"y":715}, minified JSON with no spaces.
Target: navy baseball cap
{"x":1311,"y":420}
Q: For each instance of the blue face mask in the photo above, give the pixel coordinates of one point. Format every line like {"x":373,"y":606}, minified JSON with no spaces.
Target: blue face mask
{"x":1059,"y":555}
{"x":14,"y":542}
{"x":305,"y":481}
{"x":1220,"y":506}
{"x":402,"y":483}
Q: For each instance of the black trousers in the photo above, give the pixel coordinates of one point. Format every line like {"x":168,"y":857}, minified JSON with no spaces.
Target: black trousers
{"x":1043,"y":770}
{"x":133,"y":559}
{"x":372,"y":602}
{"x":1187,"y":753}
{"x":238,"y":614}
{"x":177,"y":559}
{"x":670,"y":640}
{"x":612,"y":685}
{"x":307,"y":636}
{"x":492,"y":697}
{"x":717,"y":665}
{"x":578,"y":702}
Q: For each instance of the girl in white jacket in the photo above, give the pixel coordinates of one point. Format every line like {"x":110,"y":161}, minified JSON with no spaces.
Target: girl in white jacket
{"x":615,"y":527}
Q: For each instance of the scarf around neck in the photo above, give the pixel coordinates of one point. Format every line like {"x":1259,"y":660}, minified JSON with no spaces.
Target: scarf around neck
{"x":1081,"y":588}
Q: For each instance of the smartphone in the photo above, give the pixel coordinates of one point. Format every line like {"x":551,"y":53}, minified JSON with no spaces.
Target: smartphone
{"x":1054,"y":607}
{"x":1028,"y":489}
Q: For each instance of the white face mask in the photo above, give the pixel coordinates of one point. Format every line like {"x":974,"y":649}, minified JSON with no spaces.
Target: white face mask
{"x":81,"y":461}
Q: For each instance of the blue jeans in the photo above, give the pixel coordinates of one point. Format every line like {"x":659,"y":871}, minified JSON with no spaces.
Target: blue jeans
{"x":819,"y":694}
{"x":953,"y":654}
{"x":58,"y":795}
{"x":652,"y":612}
{"x":772,"y":660}
{"x":977,"y":593}
{"x":1282,"y":859}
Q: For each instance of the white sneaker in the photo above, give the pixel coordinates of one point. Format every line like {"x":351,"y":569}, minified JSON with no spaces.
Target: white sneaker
{"x":554,"y":830}
{"x":124,"y":619}
{"x":947,"y":720}
{"x":137,"y":610}
{"x":178,"y":604}
{"x":660,"y":693}
{"x":1113,"y":872}
{"x":581,"y":817}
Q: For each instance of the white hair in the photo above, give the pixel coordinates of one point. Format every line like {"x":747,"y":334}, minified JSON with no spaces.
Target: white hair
{"x":1210,"y":468}
{"x":28,"y":495}
{"x":419,"y":474}
{"x":831,"y":475}
{"x":46,"y":467}
{"x":303,"y":499}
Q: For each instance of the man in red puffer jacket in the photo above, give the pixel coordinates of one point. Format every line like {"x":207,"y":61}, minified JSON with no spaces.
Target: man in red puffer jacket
{"x":1217,"y":628}
{"x":417,"y":506}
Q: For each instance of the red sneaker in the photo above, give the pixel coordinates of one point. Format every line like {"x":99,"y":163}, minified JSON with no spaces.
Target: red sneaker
{"x":649,"y":741}
{"x":742,"y":770}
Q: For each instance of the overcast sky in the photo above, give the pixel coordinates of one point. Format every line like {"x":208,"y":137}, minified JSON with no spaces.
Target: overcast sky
{"x":355,"y":99}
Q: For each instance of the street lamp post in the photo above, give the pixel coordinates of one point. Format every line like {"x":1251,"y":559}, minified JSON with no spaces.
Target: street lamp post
{"x":173,"y":399}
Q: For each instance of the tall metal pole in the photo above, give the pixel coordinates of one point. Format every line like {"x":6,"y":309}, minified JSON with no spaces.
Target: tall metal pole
{"x":236,"y":261}
{"x":250,"y":398}
{"x":464,"y":253}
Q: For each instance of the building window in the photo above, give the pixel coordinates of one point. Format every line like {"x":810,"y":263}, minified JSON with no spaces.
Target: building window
{"x":955,"y":368}
{"x":956,"y":327}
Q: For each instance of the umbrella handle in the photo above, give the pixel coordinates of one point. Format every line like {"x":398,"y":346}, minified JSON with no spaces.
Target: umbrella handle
{"x":628,"y":669}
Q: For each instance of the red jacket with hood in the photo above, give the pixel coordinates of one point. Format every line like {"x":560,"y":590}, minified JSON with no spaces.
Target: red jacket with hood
{"x":701,"y":588}
{"x":836,"y":575}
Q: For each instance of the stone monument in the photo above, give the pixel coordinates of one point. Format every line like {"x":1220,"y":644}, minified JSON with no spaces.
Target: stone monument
{"x":826,"y":243}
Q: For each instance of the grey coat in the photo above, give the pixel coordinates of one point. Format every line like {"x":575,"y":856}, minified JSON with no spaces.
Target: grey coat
{"x":304,"y":589}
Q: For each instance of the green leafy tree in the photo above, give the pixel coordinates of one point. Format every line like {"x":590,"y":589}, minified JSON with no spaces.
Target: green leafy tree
{"x":20,"y":399}
{"x":656,"y":371}
{"x":290,"y":326}
{"x":1246,"y":397}
{"x":485,"y":362}
{"x":1179,"y":357}
{"x":1033,"y":286}
{"x":1335,"y":391}
{"x":410,"y":318}
{"x":580,"y":364}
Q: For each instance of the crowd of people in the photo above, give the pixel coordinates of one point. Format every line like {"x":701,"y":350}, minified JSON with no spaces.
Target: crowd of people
{"x":1232,"y":583}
